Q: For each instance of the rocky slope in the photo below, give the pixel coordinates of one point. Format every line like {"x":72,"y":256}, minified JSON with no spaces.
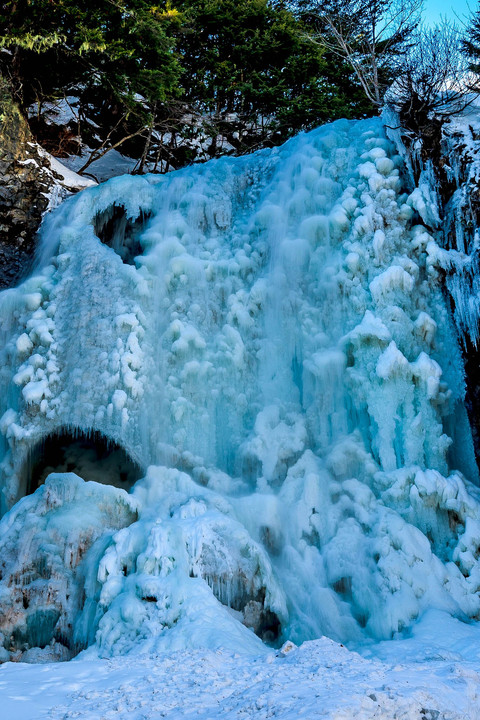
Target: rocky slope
{"x":31,"y":183}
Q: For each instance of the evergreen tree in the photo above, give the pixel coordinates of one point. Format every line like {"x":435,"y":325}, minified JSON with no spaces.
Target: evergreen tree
{"x":165,"y":84}
{"x":116,"y":57}
{"x":251,"y":67}
{"x":471,"y":43}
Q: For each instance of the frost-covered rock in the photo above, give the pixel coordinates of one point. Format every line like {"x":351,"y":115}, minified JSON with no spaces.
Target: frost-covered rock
{"x":32,"y":182}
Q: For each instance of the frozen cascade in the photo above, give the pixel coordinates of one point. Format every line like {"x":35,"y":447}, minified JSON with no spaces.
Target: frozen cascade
{"x":263,"y":339}
{"x":446,"y":198}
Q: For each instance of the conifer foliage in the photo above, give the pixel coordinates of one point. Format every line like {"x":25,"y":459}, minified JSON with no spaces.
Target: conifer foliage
{"x":174,"y":82}
{"x":252,"y":62}
{"x":115,"y":58}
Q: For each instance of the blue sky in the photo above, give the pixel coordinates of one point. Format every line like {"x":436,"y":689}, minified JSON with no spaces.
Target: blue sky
{"x":434,"y":9}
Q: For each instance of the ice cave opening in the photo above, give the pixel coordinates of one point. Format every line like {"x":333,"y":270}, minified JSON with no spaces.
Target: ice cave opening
{"x":91,"y":455}
{"x":116,"y":229}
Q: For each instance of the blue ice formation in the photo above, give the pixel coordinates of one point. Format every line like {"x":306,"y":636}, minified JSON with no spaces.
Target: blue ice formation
{"x":266,"y":340}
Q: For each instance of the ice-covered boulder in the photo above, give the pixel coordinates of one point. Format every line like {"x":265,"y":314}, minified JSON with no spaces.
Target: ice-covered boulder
{"x":46,"y":543}
{"x":83,"y":562}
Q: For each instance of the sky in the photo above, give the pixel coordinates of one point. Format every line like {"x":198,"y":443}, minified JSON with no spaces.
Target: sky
{"x":435,"y":9}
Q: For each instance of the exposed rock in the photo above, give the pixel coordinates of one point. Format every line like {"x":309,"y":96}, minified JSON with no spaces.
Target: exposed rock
{"x":25,"y":183}
{"x":29,"y":186}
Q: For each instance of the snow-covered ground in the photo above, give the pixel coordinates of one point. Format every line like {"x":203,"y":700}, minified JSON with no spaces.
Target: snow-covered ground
{"x":108,"y":166}
{"x":434,"y":675}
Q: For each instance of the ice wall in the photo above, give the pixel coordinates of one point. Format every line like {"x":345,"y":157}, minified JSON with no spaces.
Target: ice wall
{"x":268,"y":336}
{"x":446,"y":172}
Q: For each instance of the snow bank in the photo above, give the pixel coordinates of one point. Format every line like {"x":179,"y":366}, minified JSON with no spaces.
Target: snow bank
{"x":420,"y":677}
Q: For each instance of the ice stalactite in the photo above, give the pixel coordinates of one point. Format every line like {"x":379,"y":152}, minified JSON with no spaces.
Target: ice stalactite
{"x":446,"y":198}
{"x":444,"y":167}
{"x":268,"y":336}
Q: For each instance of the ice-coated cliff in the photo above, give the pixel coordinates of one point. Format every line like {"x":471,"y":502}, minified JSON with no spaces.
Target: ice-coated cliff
{"x":259,"y":350}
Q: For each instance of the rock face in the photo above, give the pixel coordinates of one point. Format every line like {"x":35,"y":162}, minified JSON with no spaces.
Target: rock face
{"x":26,"y":181}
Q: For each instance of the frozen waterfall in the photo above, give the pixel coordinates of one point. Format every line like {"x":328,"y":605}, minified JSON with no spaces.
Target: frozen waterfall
{"x":264,"y":342}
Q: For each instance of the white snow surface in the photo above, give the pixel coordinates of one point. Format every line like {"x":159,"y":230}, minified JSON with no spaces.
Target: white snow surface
{"x":417,"y":678}
{"x":280,"y":360}
{"x":109,"y":165}
{"x":71,"y":180}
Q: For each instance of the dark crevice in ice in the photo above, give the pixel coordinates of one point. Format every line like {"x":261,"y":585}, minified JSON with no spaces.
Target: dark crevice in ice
{"x":120,"y":232}
{"x":92,"y":456}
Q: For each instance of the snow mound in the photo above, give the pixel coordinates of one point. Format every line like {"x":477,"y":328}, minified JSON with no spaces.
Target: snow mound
{"x":322,"y":680}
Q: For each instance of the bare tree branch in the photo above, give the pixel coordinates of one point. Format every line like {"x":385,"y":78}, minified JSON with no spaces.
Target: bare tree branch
{"x":434,"y":81}
{"x":373,"y":36}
